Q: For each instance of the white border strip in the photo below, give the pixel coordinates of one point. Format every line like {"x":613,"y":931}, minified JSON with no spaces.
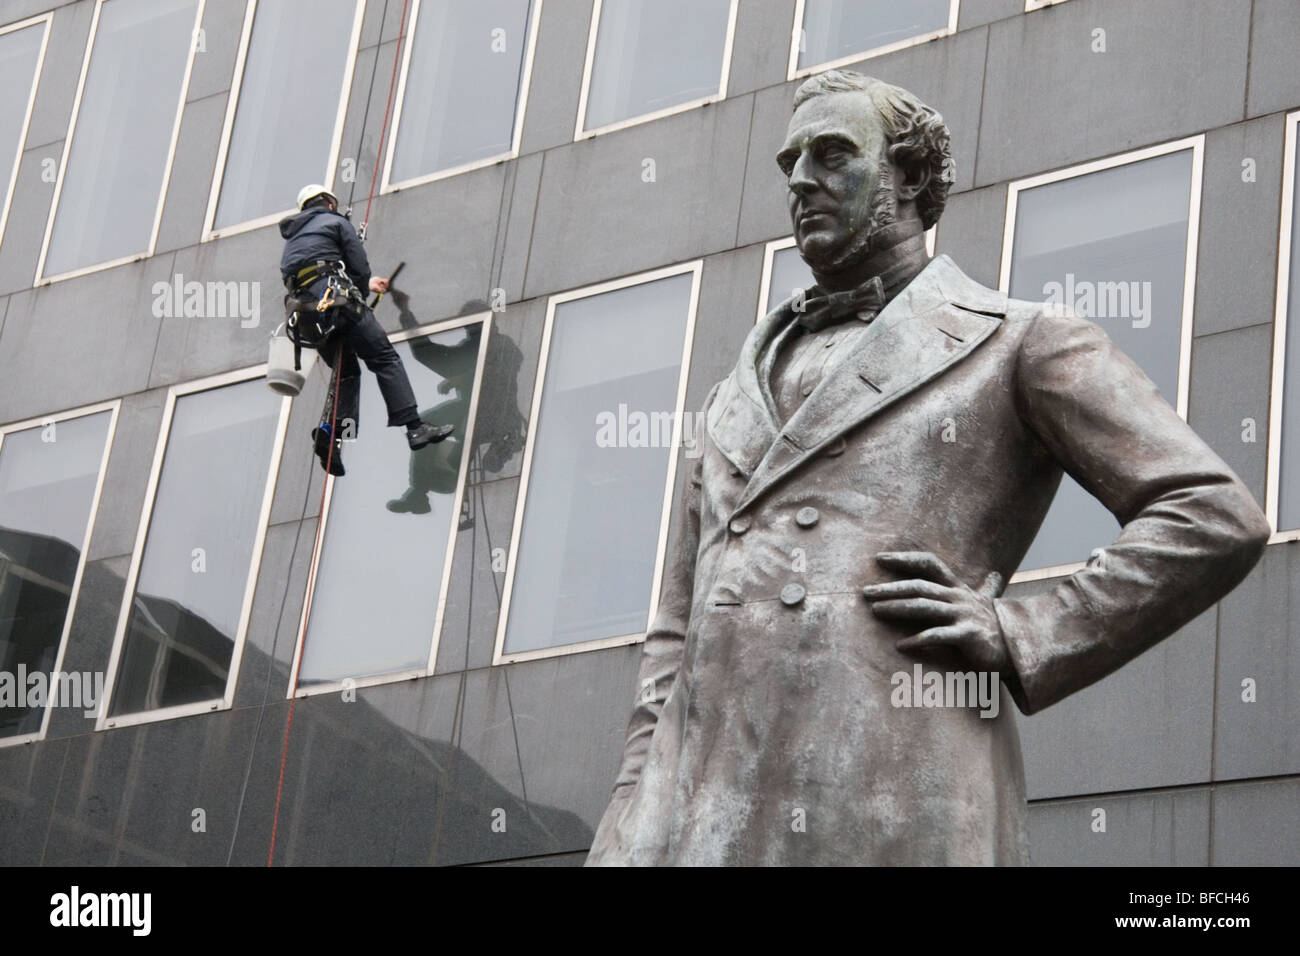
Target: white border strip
{"x":1197,"y":145}
{"x":579,"y":130}
{"x":42,"y":279}
{"x":104,"y":721}
{"x":47,"y":19}
{"x":1032,"y":5}
{"x":485,"y":318}
{"x":521,"y":104}
{"x":113,"y":407}
{"x":695,"y":269}
{"x":793,"y":72}
{"x":1281,"y":305}
{"x":227,"y":131}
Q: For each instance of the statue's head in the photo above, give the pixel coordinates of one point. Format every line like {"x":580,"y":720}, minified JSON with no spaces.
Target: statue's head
{"x":860,"y":154}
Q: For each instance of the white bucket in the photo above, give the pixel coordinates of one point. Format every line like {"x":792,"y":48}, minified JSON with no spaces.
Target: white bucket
{"x":280,"y":374}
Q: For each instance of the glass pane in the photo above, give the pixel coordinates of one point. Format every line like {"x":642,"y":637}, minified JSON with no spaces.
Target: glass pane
{"x":119,"y":150}
{"x":587,"y":547}
{"x":462,"y":88}
{"x":647,"y":59}
{"x":395,"y":503}
{"x":284,"y":124}
{"x":1288,"y":485}
{"x":19,"y":52}
{"x":47,"y":486}
{"x":834,"y":29}
{"x":789,"y":272}
{"x":184,"y":616}
{"x":1112,"y":245}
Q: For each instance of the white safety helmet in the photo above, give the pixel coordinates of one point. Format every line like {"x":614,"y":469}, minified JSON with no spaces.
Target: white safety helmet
{"x":308,"y":193}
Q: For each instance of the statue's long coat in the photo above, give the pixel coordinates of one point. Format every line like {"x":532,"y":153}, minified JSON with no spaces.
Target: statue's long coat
{"x":763,"y":731}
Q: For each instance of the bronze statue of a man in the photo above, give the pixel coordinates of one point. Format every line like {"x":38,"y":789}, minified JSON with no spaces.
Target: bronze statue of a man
{"x":829,"y":541}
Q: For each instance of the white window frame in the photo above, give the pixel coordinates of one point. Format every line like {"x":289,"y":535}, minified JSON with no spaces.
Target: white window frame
{"x":525,"y":79}
{"x":1284,"y":246}
{"x":1197,"y":145}
{"x":777,"y":245}
{"x":112,"y":407}
{"x":580,"y":132}
{"x":228,"y":128}
{"x":1031,"y":5}
{"x":330,"y":687}
{"x":104,"y":721}
{"x":42,"y":279}
{"x":45,"y":18}
{"x":793,"y":72}
{"x":695,"y":269}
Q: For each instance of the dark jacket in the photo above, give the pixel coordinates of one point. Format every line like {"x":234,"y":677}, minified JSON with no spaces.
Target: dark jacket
{"x":315,"y":234}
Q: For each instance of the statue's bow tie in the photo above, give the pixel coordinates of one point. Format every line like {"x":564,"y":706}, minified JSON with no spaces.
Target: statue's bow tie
{"x":826,"y":308}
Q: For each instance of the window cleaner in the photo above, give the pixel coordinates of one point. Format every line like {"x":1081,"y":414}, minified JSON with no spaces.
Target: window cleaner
{"x":324,"y":267}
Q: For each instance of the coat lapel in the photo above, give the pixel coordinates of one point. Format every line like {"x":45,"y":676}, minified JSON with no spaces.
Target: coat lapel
{"x":939,"y":319}
{"x":739,"y":421}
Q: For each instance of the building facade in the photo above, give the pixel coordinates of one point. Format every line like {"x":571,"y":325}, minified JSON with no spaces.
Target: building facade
{"x":432,"y":659}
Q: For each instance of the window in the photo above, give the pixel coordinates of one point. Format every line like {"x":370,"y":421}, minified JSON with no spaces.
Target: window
{"x":784,"y":271}
{"x":22,"y":51}
{"x":1115,"y":241}
{"x":834,"y":33}
{"x":181,"y":628}
{"x":284,"y":118}
{"x":51,"y":471}
{"x":594,"y":498}
{"x":403,"y":505}
{"x":1282,"y":500}
{"x":460,"y":102}
{"x":118,"y":152}
{"x":652,"y":58}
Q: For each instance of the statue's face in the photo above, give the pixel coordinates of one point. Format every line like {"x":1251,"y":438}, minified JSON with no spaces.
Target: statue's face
{"x":832,"y":158}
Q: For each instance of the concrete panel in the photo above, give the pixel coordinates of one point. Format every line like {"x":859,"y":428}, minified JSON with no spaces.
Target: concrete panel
{"x":1171,"y":68}
{"x":28,"y":214}
{"x":236,"y":320}
{"x":1147,"y":725}
{"x":556,"y":83}
{"x":1222,"y":400}
{"x":524,"y":183}
{"x":214,"y":66}
{"x":1145,"y":829}
{"x":58,"y":85}
{"x":127,"y":476}
{"x":598,"y":219}
{"x":298,"y":487}
{"x":760,"y":51}
{"x":106,"y":317}
{"x":1236,"y":272}
{"x":1258,"y":625}
{"x":970,"y":231}
{"x":976,"y":13}
{"x":1256,"y":824}
{"x":1274,"y":32}
{"x":192,"y":170}
{"x":29,"y":782}
{"x":729,"y":287}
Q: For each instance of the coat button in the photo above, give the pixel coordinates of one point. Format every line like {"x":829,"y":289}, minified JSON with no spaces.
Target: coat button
{"x":836,"y":447}
{"x":792,"y":594}
{"x":806,"y":517}
{"x":739,"y":525}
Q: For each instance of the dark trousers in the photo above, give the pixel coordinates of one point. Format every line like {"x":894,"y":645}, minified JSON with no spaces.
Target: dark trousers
{"x":363,"y":338}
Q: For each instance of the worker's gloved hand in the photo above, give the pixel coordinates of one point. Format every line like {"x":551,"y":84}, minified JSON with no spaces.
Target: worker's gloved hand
{"x":378,"y":285}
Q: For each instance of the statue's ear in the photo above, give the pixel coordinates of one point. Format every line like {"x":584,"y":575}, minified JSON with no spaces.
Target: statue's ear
{"x":913,"y":175}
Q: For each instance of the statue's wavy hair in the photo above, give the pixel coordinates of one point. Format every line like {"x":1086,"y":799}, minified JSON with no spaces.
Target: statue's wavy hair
{"x":916,"y":133}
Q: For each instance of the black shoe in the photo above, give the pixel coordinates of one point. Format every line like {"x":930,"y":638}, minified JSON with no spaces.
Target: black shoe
{"x":331,"y":462}
{"x":428,"y":434}
{"x":412,"y":502}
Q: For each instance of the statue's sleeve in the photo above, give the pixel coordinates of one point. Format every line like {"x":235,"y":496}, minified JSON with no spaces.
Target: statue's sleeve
{"x":661,"y":656}
{"x":1190,"y":529}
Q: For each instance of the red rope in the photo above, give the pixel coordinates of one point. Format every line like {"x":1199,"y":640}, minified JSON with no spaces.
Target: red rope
{"x":392,"y":82}
{"x":329,"y":458}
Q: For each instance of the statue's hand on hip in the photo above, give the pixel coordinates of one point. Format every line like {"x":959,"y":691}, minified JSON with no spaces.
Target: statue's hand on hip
{"x":949,"y":612}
